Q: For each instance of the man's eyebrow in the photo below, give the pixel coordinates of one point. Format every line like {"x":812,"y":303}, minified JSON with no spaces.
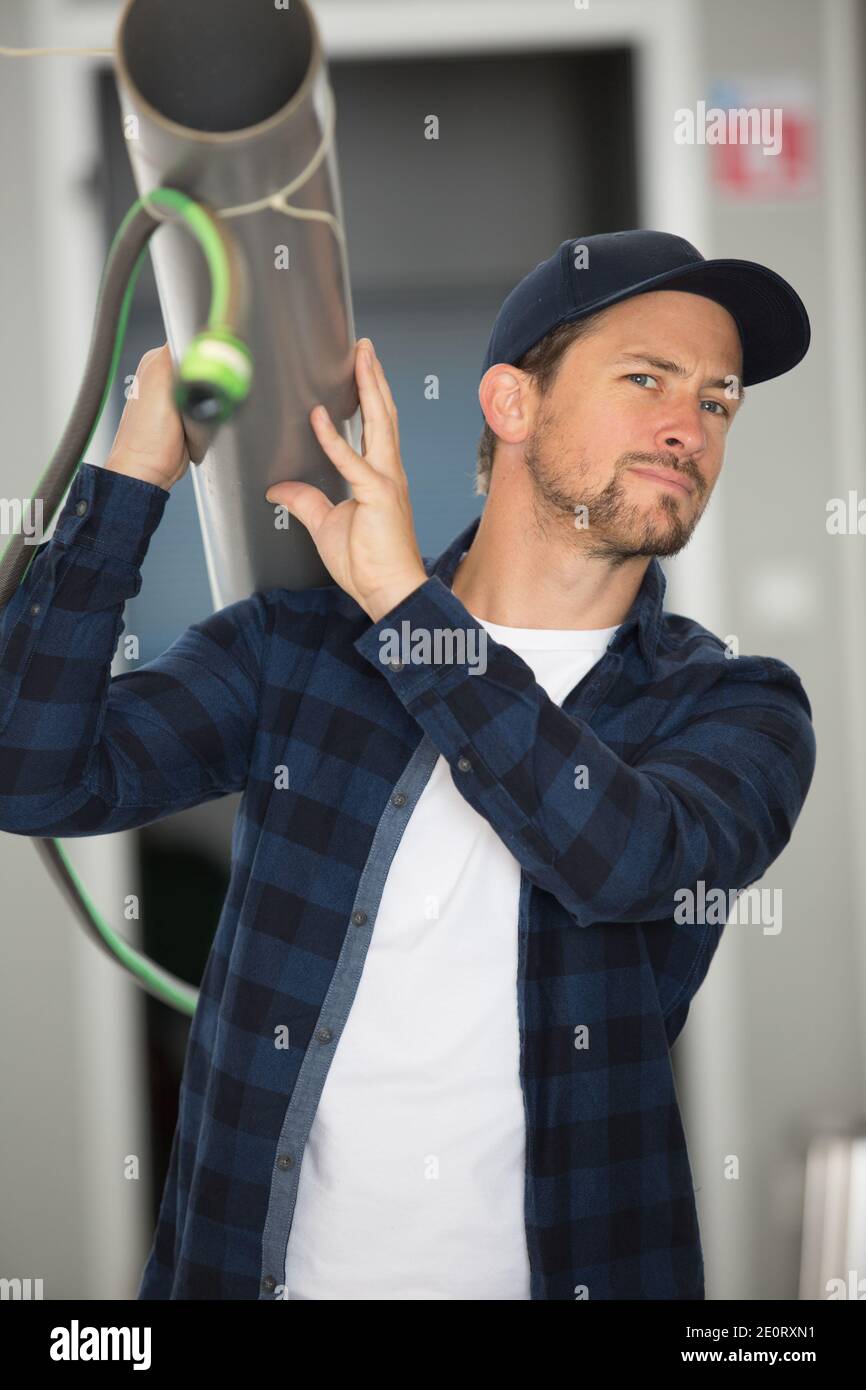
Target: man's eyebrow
{"x":662,"y":364}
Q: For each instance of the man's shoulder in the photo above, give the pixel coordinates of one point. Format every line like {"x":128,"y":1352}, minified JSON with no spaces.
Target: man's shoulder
{"x":685,"y":644}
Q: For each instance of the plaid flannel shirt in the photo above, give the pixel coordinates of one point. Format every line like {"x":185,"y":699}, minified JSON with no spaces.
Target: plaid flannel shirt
{"x":698,"y":765}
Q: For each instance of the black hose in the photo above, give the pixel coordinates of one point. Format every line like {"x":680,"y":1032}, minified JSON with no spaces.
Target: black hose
{"x":54,"y":483}
{"x":51,"y":489}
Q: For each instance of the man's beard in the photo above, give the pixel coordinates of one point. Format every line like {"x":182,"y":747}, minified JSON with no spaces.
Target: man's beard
{"x":611,"y":527}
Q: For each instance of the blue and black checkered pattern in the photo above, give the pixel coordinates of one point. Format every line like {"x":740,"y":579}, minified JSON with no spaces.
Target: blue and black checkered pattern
{"x":698,"y":765}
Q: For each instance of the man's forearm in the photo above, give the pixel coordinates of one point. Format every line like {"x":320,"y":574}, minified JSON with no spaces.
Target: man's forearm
{"x":58,"y":636}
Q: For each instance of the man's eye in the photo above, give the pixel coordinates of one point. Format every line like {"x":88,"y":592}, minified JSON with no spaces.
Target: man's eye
{"x":722,"y":408}
{"x":640,"y":376}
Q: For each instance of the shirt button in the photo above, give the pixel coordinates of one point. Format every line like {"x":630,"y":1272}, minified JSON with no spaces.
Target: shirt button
{"x":269,"y":1283}
{"x":81,"y":507}
{"x":398,"y":799}
{"x":395,"y":665}
{"x":359,"y":918}
{"x":464,"y":764}
{"x":35,"y":608}
{"x":285,"y":1161}
{"x":324,"y":1035}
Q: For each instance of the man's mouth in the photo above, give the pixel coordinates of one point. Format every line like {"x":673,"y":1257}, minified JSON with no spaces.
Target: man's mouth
{"x":663,"y":475}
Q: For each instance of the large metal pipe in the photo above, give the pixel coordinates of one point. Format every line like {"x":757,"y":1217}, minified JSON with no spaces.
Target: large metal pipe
{"x":229,"y":101}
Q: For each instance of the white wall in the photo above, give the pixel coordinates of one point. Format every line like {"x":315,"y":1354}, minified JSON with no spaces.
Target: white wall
{"x":70,"y":1022}
{"x":775,"y":1044}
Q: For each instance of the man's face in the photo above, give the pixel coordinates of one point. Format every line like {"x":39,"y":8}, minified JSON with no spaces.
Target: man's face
{"x":612,"y":413}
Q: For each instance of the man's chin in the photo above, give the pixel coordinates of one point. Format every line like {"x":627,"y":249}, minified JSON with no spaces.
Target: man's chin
{"x":658,"y":540}
{"x":664,"y":533}
{"x":666,"y":545}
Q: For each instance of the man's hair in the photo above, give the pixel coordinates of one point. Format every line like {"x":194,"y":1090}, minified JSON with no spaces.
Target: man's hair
{"x":542,"y":362}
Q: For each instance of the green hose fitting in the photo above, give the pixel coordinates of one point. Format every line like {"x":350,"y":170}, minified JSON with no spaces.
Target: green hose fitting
{"x":214,"y":376}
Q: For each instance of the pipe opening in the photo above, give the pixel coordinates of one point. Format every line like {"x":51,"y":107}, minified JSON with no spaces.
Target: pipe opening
{"x":216,"y":65}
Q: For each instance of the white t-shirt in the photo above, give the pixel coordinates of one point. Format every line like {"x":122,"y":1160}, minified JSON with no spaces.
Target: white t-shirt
{"x":412,"y":1179}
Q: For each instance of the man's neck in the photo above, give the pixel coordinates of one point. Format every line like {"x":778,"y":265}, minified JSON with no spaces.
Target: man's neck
{"x":515,"y":576}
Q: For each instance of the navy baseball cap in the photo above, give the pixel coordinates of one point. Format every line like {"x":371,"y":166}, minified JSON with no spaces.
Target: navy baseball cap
{"x":770,"y":316}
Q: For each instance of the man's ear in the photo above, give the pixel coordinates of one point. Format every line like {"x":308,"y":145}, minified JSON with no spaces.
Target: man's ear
{"x":502,"y":394}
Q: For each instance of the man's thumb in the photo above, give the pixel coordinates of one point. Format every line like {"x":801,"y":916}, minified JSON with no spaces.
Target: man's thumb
{"x":302,"y":500}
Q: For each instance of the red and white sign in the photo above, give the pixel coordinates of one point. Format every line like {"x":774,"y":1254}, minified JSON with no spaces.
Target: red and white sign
{"x":763,"y":138}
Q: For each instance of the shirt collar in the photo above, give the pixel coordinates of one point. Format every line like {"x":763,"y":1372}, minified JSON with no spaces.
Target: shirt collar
{"x":645,"y":614}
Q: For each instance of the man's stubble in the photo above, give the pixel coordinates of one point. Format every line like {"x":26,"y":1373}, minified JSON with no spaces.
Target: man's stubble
{"x":611,"y":527}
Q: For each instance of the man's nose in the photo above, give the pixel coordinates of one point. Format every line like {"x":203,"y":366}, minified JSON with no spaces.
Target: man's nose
{"x":681,"y":429}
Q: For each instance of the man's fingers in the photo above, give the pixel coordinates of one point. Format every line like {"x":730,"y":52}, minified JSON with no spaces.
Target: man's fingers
{"x":356,"y":470}
{"x":150,"y":428}
{"x":380,"y":435}
{"x":387,"y":397}
{"x":373,"y":410}
{"x":309,"y":504}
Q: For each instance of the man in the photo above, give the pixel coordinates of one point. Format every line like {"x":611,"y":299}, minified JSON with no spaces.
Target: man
{"x":431,"y":1057}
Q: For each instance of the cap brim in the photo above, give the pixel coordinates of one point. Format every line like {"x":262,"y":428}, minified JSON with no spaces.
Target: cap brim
{"x":770,"y":316}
